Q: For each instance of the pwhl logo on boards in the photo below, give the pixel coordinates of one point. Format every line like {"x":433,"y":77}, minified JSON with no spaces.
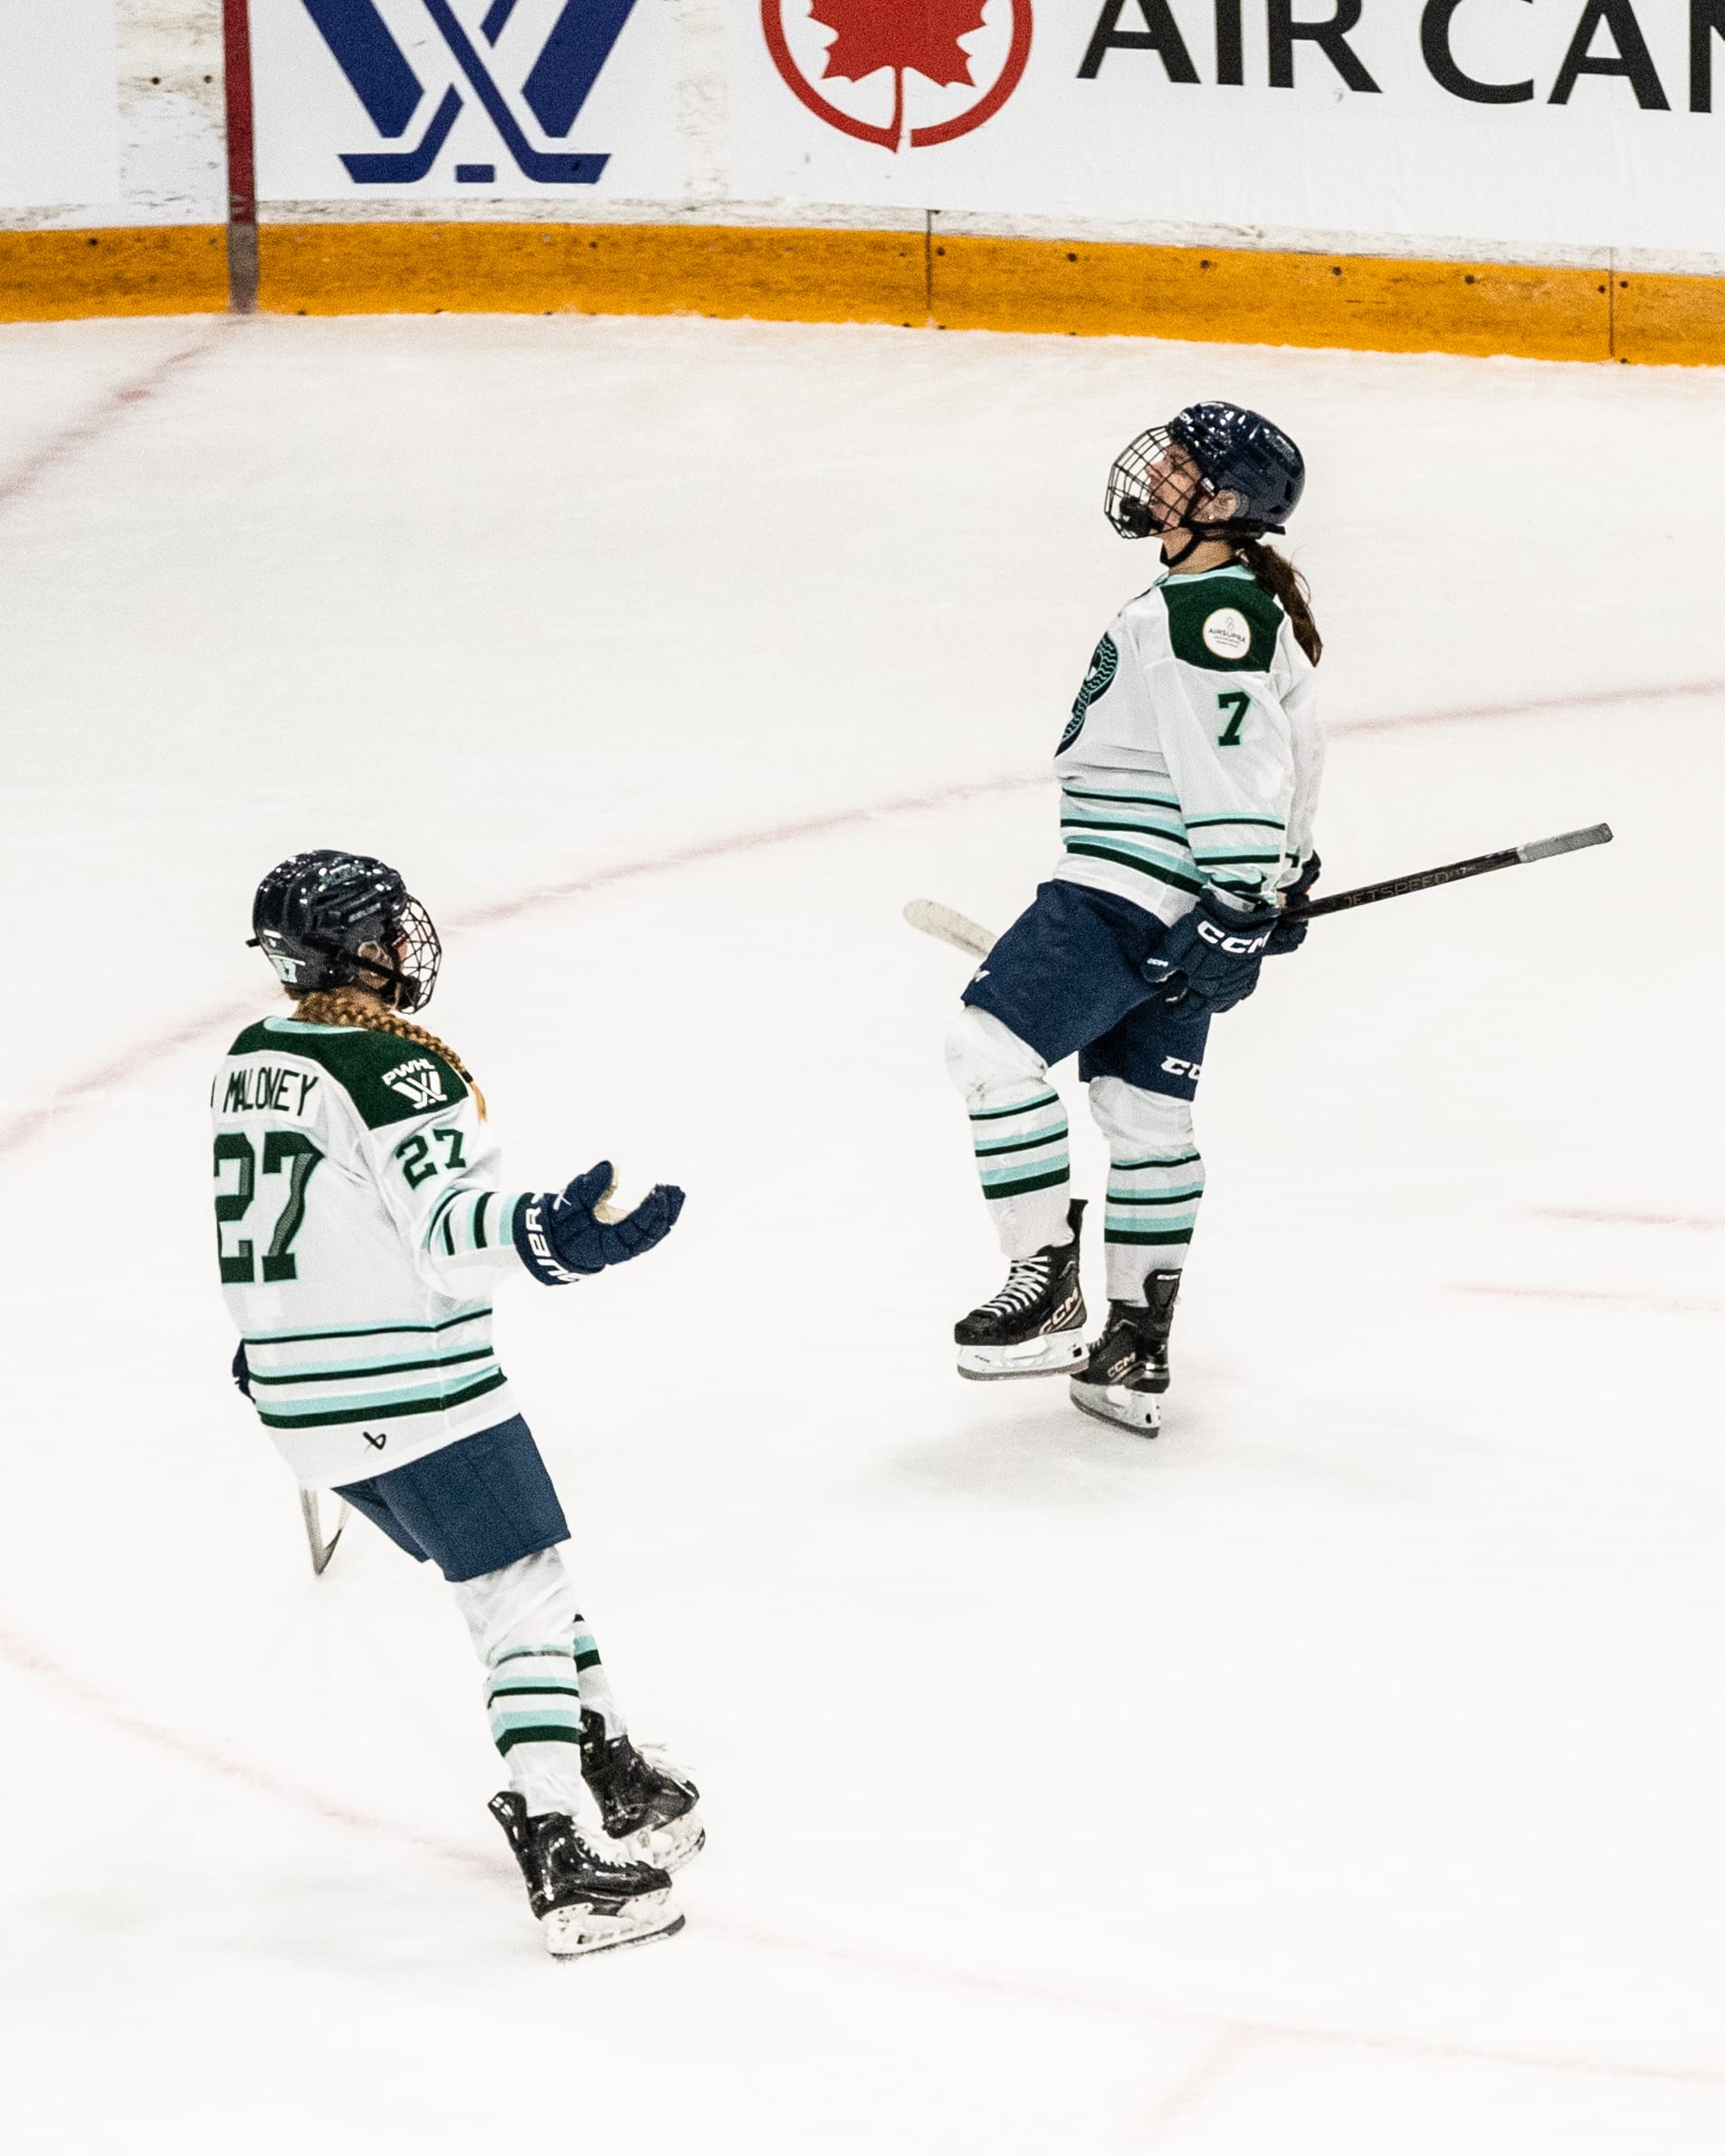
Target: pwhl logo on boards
{"x":477,"y":61}
{"x":904,"y":73}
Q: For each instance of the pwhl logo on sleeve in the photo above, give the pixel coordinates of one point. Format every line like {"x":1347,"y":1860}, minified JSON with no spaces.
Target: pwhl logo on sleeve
{"x":552,"y":77}
{"x":904,"y":73}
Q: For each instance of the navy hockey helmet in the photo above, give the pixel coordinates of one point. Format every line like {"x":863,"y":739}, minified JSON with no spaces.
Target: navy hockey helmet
{"x":1236,"y":453}
{"x":331,"y":919}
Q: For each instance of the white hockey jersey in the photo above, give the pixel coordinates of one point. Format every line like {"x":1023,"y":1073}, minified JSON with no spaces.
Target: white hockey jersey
{"x":361,"y":1229}
{"x":1192,"y":756}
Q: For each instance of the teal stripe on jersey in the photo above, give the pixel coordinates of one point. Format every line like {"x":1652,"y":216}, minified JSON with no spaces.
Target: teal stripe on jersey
{"x":371,"y":1369}
{"x":398,"y":1395}
{"x":1157,"y":867}
{"x":464,"y":1317}
{"x":378,"y":1410}
{"x":1106,"y":824}
{"x":1081,"y":793}
{"x":1206,"y":823}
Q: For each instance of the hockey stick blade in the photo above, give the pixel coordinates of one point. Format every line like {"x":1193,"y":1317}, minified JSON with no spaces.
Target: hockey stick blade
{"x":322,"y":1551}
{"x":946,"y":926}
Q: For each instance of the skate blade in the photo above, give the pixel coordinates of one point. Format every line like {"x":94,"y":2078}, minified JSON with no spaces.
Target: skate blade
{"x":583,"y":1930}
{"x":1050,"y":1356}
{"x":669,"y":1847}
{"x":1118,"y":1404}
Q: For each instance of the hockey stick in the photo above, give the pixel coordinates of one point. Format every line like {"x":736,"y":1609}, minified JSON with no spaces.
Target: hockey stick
{"x":322,"y":1551}
{"x":1482,"y":864}
{"x":949,"y":926}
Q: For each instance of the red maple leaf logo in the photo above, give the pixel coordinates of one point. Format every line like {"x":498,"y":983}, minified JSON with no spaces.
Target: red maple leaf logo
{"x":910,"y":36}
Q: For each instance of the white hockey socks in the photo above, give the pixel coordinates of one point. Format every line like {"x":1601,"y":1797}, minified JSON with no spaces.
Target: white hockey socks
{"x":1155,"y":1181}
{"x":543,"y":1666}
{"x":1018,"y":1131}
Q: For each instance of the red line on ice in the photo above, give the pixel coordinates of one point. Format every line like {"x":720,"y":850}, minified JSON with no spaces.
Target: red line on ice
{"x":1237,"y":2033}
{"x":99,"y":420}
{"x":1608,"y":1219}
{"x":1691,"y":1306}
{"x":1596,"y":699}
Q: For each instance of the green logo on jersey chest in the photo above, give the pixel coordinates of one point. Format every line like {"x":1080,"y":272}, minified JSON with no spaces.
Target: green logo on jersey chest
{"x":1103,"y":667}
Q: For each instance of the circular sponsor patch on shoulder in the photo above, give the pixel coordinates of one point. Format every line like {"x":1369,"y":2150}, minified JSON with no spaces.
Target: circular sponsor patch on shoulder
{"x":1227,"y":634}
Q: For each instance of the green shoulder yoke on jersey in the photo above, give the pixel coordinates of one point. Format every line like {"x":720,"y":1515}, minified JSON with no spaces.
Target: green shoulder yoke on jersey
{"x":386,"y":1079}
{"x":1226,"y":623}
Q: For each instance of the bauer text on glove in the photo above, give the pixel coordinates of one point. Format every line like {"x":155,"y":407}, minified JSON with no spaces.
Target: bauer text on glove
{"x":561,"y":1234}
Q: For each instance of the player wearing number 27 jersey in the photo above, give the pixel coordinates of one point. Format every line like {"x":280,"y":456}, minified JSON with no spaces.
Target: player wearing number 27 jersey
{"x":363,"y":1229}
{"x":363,"y":1224}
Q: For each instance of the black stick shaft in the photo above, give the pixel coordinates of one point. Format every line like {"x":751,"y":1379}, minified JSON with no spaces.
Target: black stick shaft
{"x":1369,"y":894}
{"x":1457,"y":871}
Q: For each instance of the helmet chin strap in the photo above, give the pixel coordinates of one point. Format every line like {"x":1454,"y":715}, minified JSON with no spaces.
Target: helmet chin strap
{"x":1202,"y":535}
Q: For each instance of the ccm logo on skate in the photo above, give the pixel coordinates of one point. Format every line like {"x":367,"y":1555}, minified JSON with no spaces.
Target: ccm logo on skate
{"x":1178,"y":1067}
{"x":1236,"y":947}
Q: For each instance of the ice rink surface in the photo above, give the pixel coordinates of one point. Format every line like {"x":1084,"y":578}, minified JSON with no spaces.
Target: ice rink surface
{"x":1343,"y":1771}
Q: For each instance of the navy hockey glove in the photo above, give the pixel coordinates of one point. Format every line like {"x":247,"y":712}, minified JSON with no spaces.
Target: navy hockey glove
{"x":241,"y":1371}
{"x":1290,"y":933}
{"x":1210,"y":960}
{"x":561,"y":1234}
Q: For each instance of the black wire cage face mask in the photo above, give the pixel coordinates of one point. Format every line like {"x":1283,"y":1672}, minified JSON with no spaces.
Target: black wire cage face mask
{"x":414,"y":951}
{"x":1155,"y":486}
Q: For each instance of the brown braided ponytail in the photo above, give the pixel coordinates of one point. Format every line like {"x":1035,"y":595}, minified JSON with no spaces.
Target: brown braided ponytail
{"x":341,"y":1007}
{"x":1289,"y":589}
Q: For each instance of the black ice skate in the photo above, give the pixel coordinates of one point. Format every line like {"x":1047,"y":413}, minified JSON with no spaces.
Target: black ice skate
{"x":585,"y":1902}
{"x":1128,"y":1372}
{"x":1036,"y":1325}
{"x":646,"y":1809}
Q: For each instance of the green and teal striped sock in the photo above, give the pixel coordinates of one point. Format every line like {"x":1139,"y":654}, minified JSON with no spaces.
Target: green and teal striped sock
{"x":1024,"y":1158}
{"x":1152,"y":1210}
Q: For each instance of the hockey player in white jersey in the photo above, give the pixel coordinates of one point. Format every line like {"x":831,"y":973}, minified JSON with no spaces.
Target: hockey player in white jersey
{"x":1188,"y":775}
{"x":362,"y":1228}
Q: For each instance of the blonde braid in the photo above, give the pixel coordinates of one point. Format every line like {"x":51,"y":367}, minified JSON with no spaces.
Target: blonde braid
{"x":341,"y":1007}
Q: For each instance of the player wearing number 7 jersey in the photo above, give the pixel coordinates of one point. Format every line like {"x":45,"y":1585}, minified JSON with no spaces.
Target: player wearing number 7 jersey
{"x":1188,"y":775}
{"x":363,"y":1226}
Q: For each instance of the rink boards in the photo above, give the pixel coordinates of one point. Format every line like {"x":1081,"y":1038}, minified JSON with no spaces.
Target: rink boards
{"x":965,"y":282}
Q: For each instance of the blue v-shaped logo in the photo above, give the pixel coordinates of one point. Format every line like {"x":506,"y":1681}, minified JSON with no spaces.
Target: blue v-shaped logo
{"x":569,"y":65}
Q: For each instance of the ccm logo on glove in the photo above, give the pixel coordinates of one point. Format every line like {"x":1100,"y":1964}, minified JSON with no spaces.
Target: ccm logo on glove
{"x":1236,"y":947}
